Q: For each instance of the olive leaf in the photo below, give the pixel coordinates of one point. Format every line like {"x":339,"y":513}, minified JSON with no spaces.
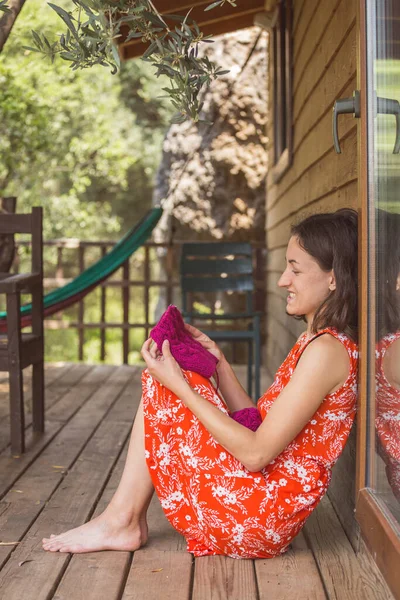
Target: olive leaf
{"x":3,"y":6}
{"x":94,"y":26}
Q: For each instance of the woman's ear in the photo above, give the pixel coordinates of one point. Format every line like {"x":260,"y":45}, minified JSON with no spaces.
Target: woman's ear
{"x":398,"y":283}
{"x":332,"y":282}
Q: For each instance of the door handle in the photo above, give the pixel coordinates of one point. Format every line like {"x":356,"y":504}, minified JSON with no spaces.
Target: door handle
{"x":343,"y":107}
{"x":386,"y":106}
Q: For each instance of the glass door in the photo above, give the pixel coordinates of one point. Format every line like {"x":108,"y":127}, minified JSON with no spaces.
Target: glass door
{"x":378,"y":502}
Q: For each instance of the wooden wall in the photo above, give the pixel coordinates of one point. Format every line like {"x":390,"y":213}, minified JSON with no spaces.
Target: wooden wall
{"x":319,"y":180}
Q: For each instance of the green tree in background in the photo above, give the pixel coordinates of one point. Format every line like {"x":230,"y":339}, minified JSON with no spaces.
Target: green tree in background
{"x":84,"y":145}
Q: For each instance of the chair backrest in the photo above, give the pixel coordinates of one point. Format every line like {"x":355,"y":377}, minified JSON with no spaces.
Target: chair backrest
{"x":7,"y":244}
{"x":31,"y":223}
{"x":217,"y":267}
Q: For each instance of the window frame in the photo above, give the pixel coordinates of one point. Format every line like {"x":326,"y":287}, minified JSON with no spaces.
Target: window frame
{"x":281,"y":52}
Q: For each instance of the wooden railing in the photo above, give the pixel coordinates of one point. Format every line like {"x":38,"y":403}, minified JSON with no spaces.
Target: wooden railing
{"x":169,"y":282}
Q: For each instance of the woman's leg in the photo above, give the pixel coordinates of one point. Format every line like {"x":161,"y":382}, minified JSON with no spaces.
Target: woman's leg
{"x":122,"y":526}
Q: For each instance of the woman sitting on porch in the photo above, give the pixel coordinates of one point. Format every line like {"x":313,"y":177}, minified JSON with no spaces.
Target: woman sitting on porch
{"x":227,"y":489}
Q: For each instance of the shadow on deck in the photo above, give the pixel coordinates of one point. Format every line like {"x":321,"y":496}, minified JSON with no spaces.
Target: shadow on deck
{"x":69,"y":474}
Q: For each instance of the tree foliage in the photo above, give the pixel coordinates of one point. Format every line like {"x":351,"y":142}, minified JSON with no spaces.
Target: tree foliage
{"x":93,"y":28}
{"x":81,"y":143}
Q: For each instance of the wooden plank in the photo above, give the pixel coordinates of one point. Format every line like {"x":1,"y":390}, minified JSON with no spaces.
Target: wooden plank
{"x":315,"y":35}
{"x":234,"y":23}
{"x":54,"y":392}
{"x":380,"y":533}
{"x":299,"y":40}
{"x":166,"y":550}
{"x":52,"y":373}
{"x":315,"y":144}
{"x":12,"y":467}
{"x":338,"y":198}
{"x":298,"y":8}
{"x":73,"y":502}
{"x":276,"y":354}
{"x":159,"y":574}
{"x":26,"y":499}
{"x":335,"y":557}
{"x":224,"y":578}
{"x":20,"y":223}
{"x":332,"y":171}
{"x":111,"y":568}
{"x":336,"y":55}
{"x":342,"y":489}
{"x":292,"y":575}
{"x":373,"y":579}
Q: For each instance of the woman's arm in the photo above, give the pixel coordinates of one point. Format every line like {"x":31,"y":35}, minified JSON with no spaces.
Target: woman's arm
{"x":323,"y":367}
{"x":230,"y":387}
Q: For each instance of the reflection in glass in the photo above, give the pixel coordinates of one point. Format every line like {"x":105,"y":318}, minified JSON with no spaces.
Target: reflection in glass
{"x":385,"y":180}
{"x":388,"y":359}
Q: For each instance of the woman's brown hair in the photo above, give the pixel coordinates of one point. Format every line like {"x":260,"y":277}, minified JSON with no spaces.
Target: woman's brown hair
{"x":387,"y":257}
{"x":331,"y":239}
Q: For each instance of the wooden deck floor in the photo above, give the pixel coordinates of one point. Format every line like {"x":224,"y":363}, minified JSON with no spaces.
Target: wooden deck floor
{"x":70,"y":473}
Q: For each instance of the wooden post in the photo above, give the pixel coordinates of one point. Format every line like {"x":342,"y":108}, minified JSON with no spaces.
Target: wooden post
{"x":37,"y":322}
{"x":170,"y":272}
{"x":146,"y":289}
{"x":81,"y":308}
{"x":16,"y":382}
{"x":125,"y":304}
{"x":103,"y":314}
{"x":7,"y":244}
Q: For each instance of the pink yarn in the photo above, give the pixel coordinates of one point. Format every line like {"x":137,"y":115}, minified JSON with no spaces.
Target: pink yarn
{"x":188,"y":353}
{"x":249,"y":417}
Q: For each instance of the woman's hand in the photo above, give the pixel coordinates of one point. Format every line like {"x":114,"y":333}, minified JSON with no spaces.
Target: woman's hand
{"x":205,"y":341}
{"x":163,"y":367}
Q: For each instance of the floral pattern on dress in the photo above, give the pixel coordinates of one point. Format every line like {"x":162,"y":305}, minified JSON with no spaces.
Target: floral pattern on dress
{"x":387,"y":421}
{"x":211,"y":498}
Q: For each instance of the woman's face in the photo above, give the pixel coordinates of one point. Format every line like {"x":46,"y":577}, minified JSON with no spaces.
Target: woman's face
{"x":307,"y":284}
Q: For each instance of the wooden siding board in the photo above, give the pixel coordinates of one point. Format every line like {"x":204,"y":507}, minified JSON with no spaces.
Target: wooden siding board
{"x":301,"y":35}
{"x":322,"y":15}
{"x":336,"y":56}
{"x":332,"y":171}
{"x":315,"y":145}
{"x":338,"y":198}
{"x":298,"y":6}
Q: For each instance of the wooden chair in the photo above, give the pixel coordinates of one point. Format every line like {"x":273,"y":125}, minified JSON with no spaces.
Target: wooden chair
{"x":224,"y":267}
{"x":19,"y":350}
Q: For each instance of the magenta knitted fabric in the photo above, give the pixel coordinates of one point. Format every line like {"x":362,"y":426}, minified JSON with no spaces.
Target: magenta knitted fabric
{"x":249,"y":417}
{"x":189,"y":354}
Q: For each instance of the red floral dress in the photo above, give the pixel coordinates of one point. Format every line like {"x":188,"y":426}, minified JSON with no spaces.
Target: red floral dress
{"x":211,"y":498}
{"x":387,"y":420}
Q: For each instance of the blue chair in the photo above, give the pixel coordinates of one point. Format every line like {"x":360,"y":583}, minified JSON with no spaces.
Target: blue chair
{"x":224,"y":267}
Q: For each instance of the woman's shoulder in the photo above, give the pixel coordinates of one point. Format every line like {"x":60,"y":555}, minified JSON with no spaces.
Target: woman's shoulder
{"x":332,"y":351}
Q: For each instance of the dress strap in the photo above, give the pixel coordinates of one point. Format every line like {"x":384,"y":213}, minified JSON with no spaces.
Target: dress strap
{"x":350,"y":346}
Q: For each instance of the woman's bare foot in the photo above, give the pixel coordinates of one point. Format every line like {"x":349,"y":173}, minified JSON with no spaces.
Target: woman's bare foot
{"x":105,"y":532}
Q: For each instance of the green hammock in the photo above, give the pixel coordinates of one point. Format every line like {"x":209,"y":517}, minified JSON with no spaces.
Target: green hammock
{"x":98,"y":272}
